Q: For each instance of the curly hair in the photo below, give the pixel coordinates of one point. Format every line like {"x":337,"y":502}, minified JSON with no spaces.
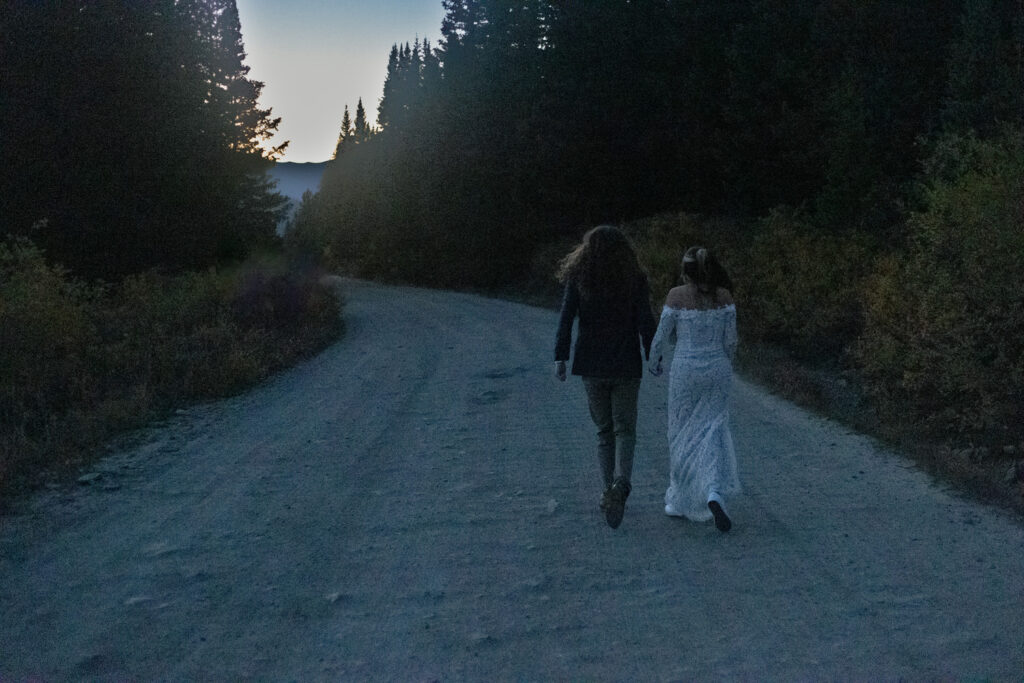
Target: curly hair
{"x":602,"y":266}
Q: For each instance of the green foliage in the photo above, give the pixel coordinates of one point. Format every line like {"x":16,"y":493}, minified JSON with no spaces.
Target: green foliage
{"x":81,"y":362}
{"x":44,"y":332}
{"x":148,"y":152}
{"x":986,"y":67}
{"x":942,"y":339}
{"x":515,"y":132}
{"x":523,"y":133}
{"x":802,"y":284}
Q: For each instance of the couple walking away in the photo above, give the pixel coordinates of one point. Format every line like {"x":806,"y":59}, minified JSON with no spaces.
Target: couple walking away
{"x":606,"y":288}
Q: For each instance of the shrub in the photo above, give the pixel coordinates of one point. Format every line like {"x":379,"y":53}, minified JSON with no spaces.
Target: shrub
{"x":802,"y":287}
{"x":43,"y":327}
{"x":942,"y":341}
{"x":539,"y":283}
{"x":81,"y":362}
{"x":44,"y":334}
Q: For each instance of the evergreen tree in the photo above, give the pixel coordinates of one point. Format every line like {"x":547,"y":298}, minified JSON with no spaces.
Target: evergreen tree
{"x":385,"y":110}
{"x":346,"y":134}
{"x":362,"y":126}
{"x":525,"y":120}
{"x":431,"y":68}
{"x":159,"y":161}
{"x":986,"y":69}
{"x":885,"y":73}
{"x":249,"y":209}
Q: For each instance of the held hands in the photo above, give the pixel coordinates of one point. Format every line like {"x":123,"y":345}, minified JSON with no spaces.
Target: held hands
{"x":560,"y":370}
{"x":655,"y":368}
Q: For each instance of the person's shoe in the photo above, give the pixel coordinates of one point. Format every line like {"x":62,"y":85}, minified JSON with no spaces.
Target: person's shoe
{"x":618,"y":494}
{"x":722,"y":521}
{"x":622,"y":486}
{"x":606,"y":499}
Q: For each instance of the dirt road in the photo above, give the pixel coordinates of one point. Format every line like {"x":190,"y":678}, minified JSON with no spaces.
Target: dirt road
{"x":419,"y":502}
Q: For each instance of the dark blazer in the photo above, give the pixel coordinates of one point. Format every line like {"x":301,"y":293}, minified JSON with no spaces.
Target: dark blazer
{"x":609,"y":335}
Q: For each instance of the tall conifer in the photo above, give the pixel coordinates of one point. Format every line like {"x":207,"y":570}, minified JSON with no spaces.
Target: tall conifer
{"x":160,"y":160}
{"x":345,"y":135}
{"x":362,"y":126}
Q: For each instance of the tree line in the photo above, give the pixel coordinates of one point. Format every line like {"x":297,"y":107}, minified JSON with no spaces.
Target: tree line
{"x":131,"y":135}
{"x":858,"y":163}
{"x":532,"y":118}
{"x":135,"y":213}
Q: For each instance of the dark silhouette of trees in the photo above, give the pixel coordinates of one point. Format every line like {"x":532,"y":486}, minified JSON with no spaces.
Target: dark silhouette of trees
{"x":131,"y":135}
{"x":530,"y":119}
{"x":363,"y":129}
{"x":347,"y":133}
{"x":986,"y":69}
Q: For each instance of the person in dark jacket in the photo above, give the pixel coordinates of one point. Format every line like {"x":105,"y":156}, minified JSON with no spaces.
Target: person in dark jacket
{"x":606,"y":288}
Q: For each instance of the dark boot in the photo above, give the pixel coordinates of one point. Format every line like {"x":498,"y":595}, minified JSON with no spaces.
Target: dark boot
{"x":622,"y":487}
{"x":617,"y":495}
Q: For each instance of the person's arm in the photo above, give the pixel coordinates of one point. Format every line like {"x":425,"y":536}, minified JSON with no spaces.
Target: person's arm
{"x":563,"y":339}
{"x":665,"y":334}
{"x":643,"y":319}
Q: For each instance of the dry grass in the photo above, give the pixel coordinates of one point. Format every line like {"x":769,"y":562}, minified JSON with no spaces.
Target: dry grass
{"x":82,"y":363}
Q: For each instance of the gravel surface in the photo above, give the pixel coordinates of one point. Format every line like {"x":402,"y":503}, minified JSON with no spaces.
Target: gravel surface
{"x":419,"y":502}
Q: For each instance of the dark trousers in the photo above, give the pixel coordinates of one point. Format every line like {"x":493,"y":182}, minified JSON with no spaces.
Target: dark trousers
{"x":612,"y":403}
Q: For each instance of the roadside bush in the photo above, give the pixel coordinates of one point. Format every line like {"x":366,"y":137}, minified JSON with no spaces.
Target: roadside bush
{"x":82,"y":362}
{"x":802,"y":285}
{"x":943,"y":340}
{"x":287,"y":306}
{"x":45,"y":331}
{"x":43,"y":328}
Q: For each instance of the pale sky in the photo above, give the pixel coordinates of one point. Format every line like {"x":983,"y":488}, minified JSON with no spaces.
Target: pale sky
{"x":315,"y":56}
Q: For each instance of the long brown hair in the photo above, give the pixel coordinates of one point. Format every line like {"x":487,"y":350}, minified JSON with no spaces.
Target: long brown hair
{"x":602,"y":266}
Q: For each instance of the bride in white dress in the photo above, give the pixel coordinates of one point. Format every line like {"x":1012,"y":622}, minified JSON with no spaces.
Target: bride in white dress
{"x":700,"y":318}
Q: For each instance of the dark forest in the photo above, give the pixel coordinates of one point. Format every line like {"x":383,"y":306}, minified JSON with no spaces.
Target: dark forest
{"x":131,"y":135}
{"x":530,"y":120}
{"x":857,"y":164}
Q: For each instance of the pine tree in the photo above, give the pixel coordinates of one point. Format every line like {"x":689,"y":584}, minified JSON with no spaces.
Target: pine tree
{"x":160,"y":160}
{"x":346,"y":134}
{"x":362,"y":126}
{"x":242,"y":206}
{"x":385,"y":110}
{"x":431,"y":67}
{"x":986,"y":68}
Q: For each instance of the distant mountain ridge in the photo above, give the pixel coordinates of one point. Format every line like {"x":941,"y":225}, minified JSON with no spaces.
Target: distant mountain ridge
{"x":293,"y":179}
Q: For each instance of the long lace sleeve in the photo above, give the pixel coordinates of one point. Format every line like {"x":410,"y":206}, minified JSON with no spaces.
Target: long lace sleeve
{"x":729,"y":337}
{"x":665,"y":335}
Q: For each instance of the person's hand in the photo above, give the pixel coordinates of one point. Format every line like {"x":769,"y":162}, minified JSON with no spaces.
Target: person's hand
{"x":655,"y":368}
{"x":560,"y":370}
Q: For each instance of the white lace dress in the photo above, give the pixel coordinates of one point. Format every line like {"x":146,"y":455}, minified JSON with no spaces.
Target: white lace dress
{"x":702,"y":462}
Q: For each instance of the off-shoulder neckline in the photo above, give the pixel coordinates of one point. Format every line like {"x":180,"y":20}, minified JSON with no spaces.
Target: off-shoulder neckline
{"x":700,"y":310}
